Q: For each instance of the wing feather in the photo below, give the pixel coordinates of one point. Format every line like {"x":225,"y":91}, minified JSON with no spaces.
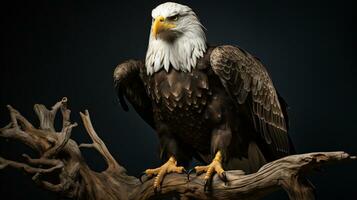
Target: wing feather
{"x":128,"y":84}
{"x":247,"y":81}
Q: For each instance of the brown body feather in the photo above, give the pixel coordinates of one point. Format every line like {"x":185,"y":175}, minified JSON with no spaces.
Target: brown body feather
{"x":227,"y":103}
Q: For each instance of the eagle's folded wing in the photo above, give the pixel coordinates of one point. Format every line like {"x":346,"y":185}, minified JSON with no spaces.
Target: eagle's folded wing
{"x":128,"y":84}
{"x":247,"y":82}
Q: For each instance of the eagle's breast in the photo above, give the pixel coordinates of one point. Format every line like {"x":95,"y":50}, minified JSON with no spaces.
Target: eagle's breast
{"x":180,"y":101}
{"x":189,"y":104}
{"x":179,"y":93}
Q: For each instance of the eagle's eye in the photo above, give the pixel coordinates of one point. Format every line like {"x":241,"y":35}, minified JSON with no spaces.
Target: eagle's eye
{"x":173,"y":18}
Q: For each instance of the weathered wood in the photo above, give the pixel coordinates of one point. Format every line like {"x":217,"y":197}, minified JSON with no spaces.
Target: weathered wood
{"x":63,"y":158}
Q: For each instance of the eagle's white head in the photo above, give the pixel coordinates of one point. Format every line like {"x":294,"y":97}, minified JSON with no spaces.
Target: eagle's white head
{"x":177,"y":39}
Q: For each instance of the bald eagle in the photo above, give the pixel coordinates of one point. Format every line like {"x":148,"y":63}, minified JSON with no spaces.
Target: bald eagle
{"x":216,"y":104}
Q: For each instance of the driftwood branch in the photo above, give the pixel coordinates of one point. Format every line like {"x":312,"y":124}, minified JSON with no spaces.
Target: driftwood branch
{"x":60,"y":156}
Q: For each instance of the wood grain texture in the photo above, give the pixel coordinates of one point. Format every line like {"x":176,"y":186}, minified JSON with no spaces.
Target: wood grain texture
{"x":62,"y":158}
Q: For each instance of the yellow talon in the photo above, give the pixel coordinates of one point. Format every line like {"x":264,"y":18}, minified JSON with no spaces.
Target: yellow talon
{"x":214,"y":167}
{"x":169,"y":167}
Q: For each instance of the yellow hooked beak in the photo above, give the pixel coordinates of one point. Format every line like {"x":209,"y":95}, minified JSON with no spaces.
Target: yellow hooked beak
{"x":160,"y":24}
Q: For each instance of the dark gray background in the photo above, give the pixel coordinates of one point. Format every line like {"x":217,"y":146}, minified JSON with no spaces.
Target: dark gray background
{"x":52,"y":49}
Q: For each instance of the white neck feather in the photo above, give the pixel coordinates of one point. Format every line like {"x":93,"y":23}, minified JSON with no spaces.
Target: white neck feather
{"x":182,"y":53}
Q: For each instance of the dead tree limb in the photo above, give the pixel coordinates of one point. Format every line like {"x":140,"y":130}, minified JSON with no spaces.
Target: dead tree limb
{"x":62,"y":158}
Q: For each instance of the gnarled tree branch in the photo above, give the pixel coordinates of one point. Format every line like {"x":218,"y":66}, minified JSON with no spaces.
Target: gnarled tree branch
{"x":98,"y":144}
{"x":62,"y":158}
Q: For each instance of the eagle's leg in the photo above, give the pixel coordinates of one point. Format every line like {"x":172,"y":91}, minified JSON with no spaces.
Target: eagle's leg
{"x":221,"y":139}
{"x":214,"y":167}
{"x":169,"y":167}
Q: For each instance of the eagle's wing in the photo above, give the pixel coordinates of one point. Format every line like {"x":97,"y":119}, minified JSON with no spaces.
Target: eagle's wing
{"x":128,"y":83}
{"x":247,"y":81}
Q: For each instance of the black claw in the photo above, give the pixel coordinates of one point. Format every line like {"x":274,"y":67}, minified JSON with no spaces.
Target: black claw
{"x":184,"y":171}
{"x":148,"y":176}
{"x":189,"y":172}
{"x":205,"y":186}
{"x":156,"y":190}
{"x":224,"y":177}
{"x":140,"y":177}
{"x":208,"y":184}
